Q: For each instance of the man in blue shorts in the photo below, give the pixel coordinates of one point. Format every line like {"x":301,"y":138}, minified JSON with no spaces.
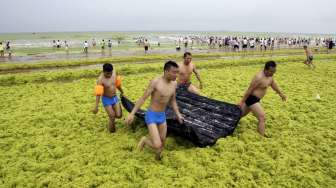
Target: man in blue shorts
{"x":106,"y":89}
{"x":162,"y":91}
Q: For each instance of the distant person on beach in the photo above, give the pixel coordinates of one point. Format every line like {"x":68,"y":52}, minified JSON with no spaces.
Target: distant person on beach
{"x":109,"y":45}
{"x":245,"y":43}
{"x":330,"y":46}
{"x":2,"y":53}
{"x":102,"y":44}
{"x":185,"y":41}
{"x":94,"y":43}
{"x":86,"y":46}
{"x":54,"y":44}
{"x":66,"y":45}
{"x":146,"y":45}
{"x":58,"y":44}
{"x":8,"y":49}
{"x":252,"y":44}
{"x":178,"y":47}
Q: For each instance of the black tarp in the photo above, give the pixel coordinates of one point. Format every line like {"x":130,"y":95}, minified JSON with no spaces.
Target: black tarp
{"x":205,"y":120}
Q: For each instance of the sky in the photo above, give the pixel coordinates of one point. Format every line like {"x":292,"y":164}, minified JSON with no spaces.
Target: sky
{"x":292,"y":16}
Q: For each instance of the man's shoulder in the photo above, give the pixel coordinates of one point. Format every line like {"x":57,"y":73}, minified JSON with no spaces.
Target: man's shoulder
{"x":173,"y":82}
{"x":100,"y":77}
{"x":259,"y":76}
{"x":156,"y":80}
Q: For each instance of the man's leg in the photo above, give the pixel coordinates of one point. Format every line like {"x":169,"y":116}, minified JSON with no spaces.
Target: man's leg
{"x":260,"y":114}
{"x":163,"y":133}
{"x":312,"y":65}
{"x":245,"y":110}
{"x":154,"y":140}
{"x":111,"y":114}
{"x":117,"y":110}
{"x":193,"y":89}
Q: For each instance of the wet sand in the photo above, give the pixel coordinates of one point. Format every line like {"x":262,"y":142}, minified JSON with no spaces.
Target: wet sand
{"x":93,"y":55}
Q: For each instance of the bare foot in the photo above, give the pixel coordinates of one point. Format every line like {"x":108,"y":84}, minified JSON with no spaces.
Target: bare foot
{"x":111,"y":128}
{"x":141,"y":144}
{"x":158,"y":156}
{"x":267,"y":136}
{"x":261,"y":132}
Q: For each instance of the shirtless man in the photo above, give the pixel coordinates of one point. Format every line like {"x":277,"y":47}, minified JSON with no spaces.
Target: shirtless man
{"x":309,"y":56}
{"x":162,"y":92}
{"x":106,"y":88}
{"x":256,"y":91}
{"x":186,"y":68}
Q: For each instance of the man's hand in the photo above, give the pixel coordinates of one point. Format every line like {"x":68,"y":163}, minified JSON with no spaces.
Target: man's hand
{"x":95,"y":109}
{"x":180,"y":118}
{"x":129,"y":120}
{"x":283,"y":97}
{"x":240,"y":104}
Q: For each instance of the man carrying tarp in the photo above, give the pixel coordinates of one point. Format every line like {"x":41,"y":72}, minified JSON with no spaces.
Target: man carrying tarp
{"x":162,"y":91}
{"x":186,"y":68}
{"x":256,"y":91}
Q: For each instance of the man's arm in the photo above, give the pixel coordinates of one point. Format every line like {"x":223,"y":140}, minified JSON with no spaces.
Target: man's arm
{"x":121,"y":90}
{"x":275,"y":87}
{"x":198,"y":76}
{"x":95,"y":109}
{"x":118,"y":83}
{"x":140,"y":102}
{"x":175,"y":108}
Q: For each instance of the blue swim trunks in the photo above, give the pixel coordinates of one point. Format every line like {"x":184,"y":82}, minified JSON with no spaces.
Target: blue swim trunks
{"x":109,"y":100}
{"x":155,"y":117}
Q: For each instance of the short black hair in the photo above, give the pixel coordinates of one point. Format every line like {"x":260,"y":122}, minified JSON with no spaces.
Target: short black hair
{"x":169,"y":64}
{"x":269,"y":64}
{"x":305,"y":47}
{"x":107,"y":67}
{"x":186,"y":54}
